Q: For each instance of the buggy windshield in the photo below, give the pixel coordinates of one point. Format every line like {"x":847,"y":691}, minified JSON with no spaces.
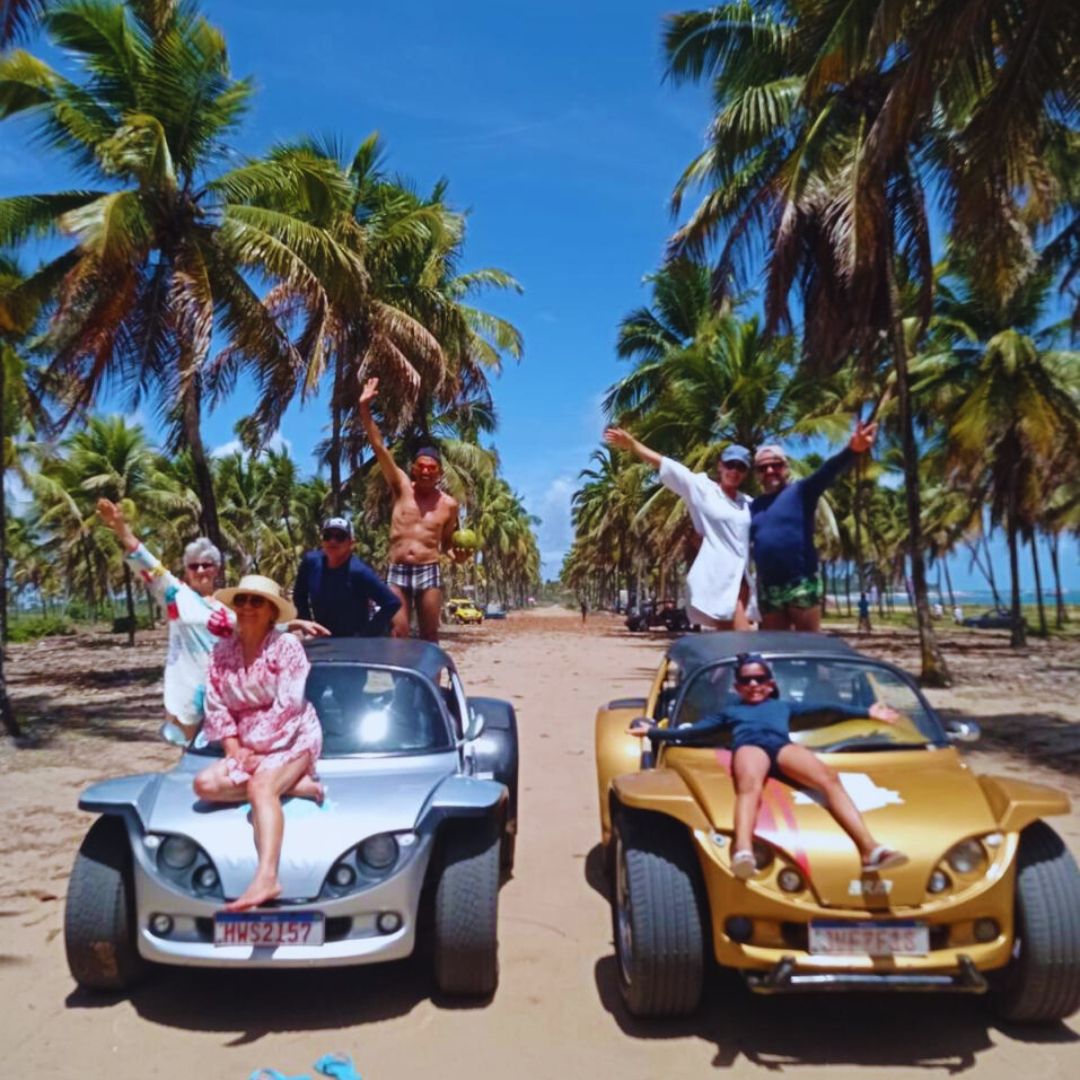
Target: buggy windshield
{"x":375,"y":710}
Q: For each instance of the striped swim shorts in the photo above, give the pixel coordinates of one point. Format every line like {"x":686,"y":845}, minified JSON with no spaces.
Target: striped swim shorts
{"x":415,"y":577}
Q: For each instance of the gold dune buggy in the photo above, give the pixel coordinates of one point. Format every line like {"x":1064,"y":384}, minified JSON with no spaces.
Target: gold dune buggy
{"x":988,"y":904}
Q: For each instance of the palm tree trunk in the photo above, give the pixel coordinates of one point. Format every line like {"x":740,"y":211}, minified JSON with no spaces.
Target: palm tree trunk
{"x":948,"y":584}
{"x":1018,"y":636}
{"x":1061,"y":616}
{"x":335,"y":439}
{"x":7,"y":713}
{"x":204,"y":477}
{"x":1043,"y":629}
{"x":935,"y":672}
{"x":990,"y":569}
{"x":130,"y":596}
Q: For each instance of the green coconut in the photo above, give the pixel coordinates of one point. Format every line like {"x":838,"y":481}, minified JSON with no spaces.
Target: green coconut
{"x":465,"y":538}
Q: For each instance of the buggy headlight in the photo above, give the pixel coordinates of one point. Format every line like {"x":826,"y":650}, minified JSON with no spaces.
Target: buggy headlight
{"x":966,"y":857}
{"x":379,"y":852}
{"x":178,"y":852}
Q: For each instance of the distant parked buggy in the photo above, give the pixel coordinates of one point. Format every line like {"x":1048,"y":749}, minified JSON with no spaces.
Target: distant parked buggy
{"x":653,"y":615}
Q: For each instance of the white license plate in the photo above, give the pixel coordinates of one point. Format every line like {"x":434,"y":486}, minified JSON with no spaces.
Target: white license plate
{"x":269,"y":928}
{"x":869,"y":939}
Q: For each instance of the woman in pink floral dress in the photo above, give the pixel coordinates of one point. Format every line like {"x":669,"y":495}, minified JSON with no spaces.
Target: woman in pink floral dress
{"x":255,"y":707}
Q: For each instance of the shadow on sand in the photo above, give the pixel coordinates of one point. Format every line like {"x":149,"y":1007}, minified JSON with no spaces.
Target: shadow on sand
{"x":258,"y":1003}
{"x":873,"y":1031}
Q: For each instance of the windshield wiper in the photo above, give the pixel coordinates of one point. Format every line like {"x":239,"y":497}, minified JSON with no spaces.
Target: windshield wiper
{"x":872,"y":744}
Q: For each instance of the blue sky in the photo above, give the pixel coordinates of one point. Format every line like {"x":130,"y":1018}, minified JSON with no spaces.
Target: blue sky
{"x":557,"y":133}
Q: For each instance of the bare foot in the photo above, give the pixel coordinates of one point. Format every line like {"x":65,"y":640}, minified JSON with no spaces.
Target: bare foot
{"x":260,"y":891}
{"x":307,"y":787}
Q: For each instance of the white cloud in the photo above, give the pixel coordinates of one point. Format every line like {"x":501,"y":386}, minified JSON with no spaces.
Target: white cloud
{"x":555,"y":533}
{"x":277,"y":442}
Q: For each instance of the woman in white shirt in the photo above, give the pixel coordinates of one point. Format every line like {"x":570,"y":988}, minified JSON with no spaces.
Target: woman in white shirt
{"x":720,"y":582}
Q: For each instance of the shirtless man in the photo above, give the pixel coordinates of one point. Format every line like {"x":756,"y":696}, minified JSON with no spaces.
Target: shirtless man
{"x":422,"y":524}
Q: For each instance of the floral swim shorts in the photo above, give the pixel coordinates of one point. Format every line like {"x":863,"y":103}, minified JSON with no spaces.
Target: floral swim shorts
{"x":801,"y":593}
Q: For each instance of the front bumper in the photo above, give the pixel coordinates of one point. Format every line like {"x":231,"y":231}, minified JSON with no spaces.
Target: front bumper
{"x":352,"y":936}
{"x":775,"y":958}
{"x":785,"y":978}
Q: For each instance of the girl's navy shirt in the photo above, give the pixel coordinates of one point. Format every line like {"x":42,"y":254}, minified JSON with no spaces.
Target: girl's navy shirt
{"x":771,"y":718}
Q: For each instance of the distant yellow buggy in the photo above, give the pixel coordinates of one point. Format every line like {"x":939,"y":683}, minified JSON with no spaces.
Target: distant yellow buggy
{"x":988,"y":903}
{"x":462,"y":611}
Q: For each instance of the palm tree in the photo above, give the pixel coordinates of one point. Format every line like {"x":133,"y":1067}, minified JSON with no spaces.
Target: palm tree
{"x":17,"y":19}
{"x":411,"y":325}
{"x":163,"y":248}
{"x":785,"y":173}
{"x":109,"y":459}
{"x":1011,"y":402}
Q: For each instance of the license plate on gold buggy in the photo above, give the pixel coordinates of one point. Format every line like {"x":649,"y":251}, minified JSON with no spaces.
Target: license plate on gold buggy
{"x":838,"y":938}
{"x":269,"y":928}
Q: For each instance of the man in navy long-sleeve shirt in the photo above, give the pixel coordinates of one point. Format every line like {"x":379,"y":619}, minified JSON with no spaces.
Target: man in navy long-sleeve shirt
{"x":782,"y":534}
{"x":336,"y":588}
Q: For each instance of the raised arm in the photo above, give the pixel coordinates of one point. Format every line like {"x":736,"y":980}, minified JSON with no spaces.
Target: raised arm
{"x":143,"y":561}
{"x":862,"y":438}
{"x":395,"y":477}
{"x":623,"y":440}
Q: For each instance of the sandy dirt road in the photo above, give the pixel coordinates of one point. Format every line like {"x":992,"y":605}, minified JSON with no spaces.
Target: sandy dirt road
{"x":556,"y":1013}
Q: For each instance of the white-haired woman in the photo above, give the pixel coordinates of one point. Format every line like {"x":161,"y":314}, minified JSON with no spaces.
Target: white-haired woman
{"x":197,"y":621}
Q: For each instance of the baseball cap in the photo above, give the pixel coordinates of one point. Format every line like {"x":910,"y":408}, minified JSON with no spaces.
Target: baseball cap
{"x":339,"y":523}
{"x":428,"y":451}
{"x":736,"y":453}
{"x":770,"y":451}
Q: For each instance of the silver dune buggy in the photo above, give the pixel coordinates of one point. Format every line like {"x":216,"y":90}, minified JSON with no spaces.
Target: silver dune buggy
{"x":420,"y":816}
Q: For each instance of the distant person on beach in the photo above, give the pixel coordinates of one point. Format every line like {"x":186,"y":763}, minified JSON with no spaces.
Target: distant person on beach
{"x":958,"y":615}
{"x":269,"y":731}
{"x":782,"y":531}
{"x":864,"y":614}
{"x":719,"y":583}
{"x":197,"y":621}
{"x":336,"y":587}
{"x":761,"y":746}
{"x":422,"y":526}
{"x":584,"y":609}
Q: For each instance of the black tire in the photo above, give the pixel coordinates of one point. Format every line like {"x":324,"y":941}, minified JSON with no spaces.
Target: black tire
{"x":506,"y":853}
{"x":99,"y":917}
{"x":1042,"y":981}
{"x":467,"y":911}
{"x":657,"y":917}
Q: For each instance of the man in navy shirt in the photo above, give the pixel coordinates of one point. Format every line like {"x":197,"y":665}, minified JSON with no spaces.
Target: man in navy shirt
{"x":782,"y":533}
{"x":338,"y":589}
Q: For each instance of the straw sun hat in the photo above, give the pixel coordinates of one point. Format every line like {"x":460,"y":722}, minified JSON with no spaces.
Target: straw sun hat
{"x":257,"y":585}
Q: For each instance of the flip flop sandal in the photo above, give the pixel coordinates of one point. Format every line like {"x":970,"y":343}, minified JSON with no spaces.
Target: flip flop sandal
{"x":339,"y":1066}
{"x":743,"y":865}
{"x":883,"y":858}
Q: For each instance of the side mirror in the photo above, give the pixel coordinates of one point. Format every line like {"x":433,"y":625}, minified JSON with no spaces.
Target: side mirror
{"x":962,"y":731}
{"x":475,"y":725}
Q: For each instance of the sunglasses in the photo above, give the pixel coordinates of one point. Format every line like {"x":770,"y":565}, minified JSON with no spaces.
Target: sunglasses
{"x":770,"y":466}
{"x":335,"y":536}
{"x":202,"y":565}
{"x":248,"y":600}
{"x":752,"y":680}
